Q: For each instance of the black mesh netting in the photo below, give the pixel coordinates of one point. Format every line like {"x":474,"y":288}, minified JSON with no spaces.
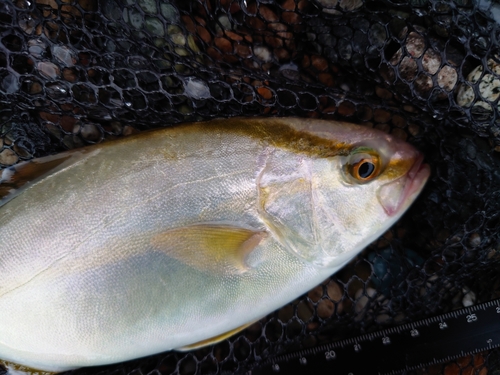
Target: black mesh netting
{"x":74,"y":72}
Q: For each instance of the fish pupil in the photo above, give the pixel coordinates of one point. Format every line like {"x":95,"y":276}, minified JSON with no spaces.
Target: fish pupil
{"x":366,"y":169}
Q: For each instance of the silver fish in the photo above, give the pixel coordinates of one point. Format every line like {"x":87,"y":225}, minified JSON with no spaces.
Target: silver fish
{"x":179,"y":237}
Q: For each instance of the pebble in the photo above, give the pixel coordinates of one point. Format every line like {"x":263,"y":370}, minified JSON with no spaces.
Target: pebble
{"x":27,"y":23}
{"x":148,"y":6}
{"x":325,"y":307}
{"x":133,"y":17}
{"x":64,"y":55}
{"x":10,"y":84}
{"x":155,"y":26}
{"x":290,"y":71}
{"x":432,"y":64}
{"x":196,"y":88}
{"x":36,"y":47}
{"x":91,"y":133}
{"x":362,"y":300}
{"x":57,"y":90}
{"x":48,"y":69}
{"x":223,"y":24}
{"x":8,"y":157}
{"x":469,"y":298}
{"x":262,"y":53}
{"x":170,"y":13}
{"x":489,"y":87}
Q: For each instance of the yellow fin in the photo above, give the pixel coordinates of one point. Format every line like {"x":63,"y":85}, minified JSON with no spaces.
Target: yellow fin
{"x":210,"y":247}
{"x":16,"y":178}
{"x":14,"y":368}
{"x":215,"y":339}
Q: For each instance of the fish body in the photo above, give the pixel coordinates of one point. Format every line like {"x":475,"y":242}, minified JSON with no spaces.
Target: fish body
{"x":172,"y":237}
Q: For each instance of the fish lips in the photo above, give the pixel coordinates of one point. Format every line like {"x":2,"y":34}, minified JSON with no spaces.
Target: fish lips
{"x":396,"y":196}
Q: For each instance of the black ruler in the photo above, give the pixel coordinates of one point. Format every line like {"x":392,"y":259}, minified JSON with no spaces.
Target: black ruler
{"x":398,"y":349}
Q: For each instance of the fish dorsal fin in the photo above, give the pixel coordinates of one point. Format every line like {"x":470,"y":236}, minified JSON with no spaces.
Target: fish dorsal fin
{"x":215,"y":339}
{"x":210,"y":247}
{"x":17,"y":178}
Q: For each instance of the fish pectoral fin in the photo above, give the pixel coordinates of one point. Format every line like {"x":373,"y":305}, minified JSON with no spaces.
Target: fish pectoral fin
{"x":16,"y":178}
{"x":215,"y":339}
{"x":210,"y":247}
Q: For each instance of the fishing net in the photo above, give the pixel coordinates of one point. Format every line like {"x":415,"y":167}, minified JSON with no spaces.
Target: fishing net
{"x":78,"y":72}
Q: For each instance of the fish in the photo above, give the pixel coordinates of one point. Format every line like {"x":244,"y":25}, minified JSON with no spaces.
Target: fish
{"x":178,"y":238}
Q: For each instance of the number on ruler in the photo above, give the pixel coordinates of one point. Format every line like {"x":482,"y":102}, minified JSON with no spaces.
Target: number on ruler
{"x":386,"y":340}
{"x":303,"y":361}
{"x":498,"y":309}
{"x":414,"y":333}
{"x":357,"y":348}
{"x":330,"y":355}
{"x":471,"y":318}
{"x":276,"y":367}
{"x":443,"y":325}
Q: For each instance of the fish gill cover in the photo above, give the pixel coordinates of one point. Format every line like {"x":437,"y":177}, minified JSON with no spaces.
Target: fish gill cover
{"x":76,"y":72}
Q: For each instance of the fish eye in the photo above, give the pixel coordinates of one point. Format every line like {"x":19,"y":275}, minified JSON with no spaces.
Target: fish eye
{"x":364,"y":169}
{"x":363,"y":165}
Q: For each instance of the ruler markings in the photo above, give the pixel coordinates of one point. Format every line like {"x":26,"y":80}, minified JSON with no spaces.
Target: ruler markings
{"x":453,"y":335}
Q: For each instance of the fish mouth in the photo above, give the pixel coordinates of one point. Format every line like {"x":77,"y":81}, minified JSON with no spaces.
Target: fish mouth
{"x":396,"y":196}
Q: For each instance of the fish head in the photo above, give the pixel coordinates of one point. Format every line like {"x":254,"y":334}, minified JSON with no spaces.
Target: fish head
{"x":325,"y":207}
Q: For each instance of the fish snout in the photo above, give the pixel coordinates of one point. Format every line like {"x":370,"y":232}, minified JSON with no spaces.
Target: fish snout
{"x":396,"y":196}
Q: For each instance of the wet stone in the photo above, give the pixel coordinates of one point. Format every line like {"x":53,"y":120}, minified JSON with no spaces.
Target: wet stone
{"x":148,"y":6}
{"x":8,"y":157}
{"x":224,"y":45}
{"x":10,"y":84}
{"x":169,"y":12}
{"x":262,"y":53}
{"x":31,"y":86}
{"x":377,"y":35}
{"x":133,"y":17}
{"x":83,"y":93}
{"x":415,"y":44}
{"x":178,"y":38}
{"x":316,"y":294}
{"x":290,"y":71}
{"x":91,"y":133}
{"x":27,"y":23}
{"x":223,"y":23}
{"x":431,"y":61}
{"x":447,"y":78}
{"x":64,"y":55}
{"x":22,"y":152}
{"x":346,"y":108}
{"x":362,"y":302}
{"x":489,"y":87}
{"x":325,"y":308}
{"x":57,"y":90}
{"x":334,"y":291}
{"x":155,"y":26}
{"x":48,"y":69}
{"x":350,"y":5}
{"x":196,"y":89}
